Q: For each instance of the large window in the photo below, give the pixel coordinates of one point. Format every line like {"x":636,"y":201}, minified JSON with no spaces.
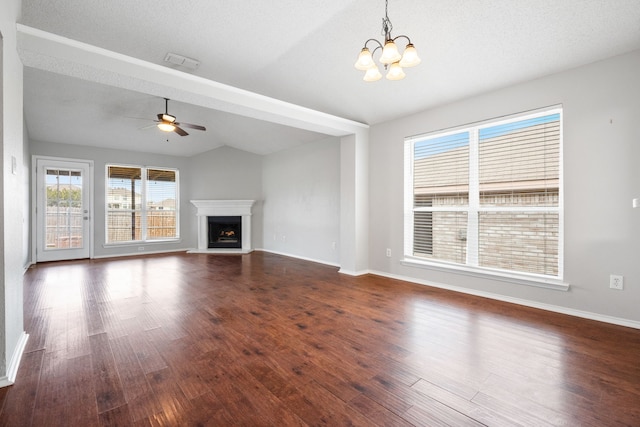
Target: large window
{"x":487,"y":197}
{"x":142,"y":204}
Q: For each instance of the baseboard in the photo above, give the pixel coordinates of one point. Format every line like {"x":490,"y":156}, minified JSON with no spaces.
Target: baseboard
{"x":527,"y":303}
{"x":299,"y":257}
{"x":14,"y":364}
{"x":353,"y":273}
{"x":168,"y":251}
{"x":27,"y":267}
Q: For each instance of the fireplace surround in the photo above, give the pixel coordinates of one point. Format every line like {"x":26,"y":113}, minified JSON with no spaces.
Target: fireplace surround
{"x":238,"y":240}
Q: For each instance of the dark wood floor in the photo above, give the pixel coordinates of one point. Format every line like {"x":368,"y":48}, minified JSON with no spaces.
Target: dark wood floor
{"x":263,"y":339}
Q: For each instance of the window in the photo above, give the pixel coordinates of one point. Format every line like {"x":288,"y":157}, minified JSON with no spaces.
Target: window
{"x":142,"y":204}
{"x":487,"y":197}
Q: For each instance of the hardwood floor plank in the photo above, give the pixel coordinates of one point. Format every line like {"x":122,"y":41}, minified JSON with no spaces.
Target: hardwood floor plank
{"x":174,"y":405}
{"x":209,"y":411}
{"x":147,"y":354}
{"x":315,"y":405}
{"x":51,"y":403}
{"x":119,"y":416}
{"x":465,"y":406}
{"x":376,"y":413}
{"x":262,"y":339}
{"x":138,"y":394}
{"x":81,"y":395}
{"x":108,"y":388}
{"x":19,"y":403}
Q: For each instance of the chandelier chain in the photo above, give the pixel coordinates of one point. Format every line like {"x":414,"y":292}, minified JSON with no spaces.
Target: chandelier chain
{"x":387,"y":26}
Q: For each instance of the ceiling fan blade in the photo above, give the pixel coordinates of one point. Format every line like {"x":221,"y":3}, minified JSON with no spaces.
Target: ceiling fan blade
{"x":148,"y":126}
{"x":180,"y":131}
{"x":191,"y":126}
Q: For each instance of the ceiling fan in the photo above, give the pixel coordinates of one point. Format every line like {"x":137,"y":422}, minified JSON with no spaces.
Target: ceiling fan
{"x":167,"y":123}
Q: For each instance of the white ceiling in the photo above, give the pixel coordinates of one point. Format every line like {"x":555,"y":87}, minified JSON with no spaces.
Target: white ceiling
{"x":302,"y":52}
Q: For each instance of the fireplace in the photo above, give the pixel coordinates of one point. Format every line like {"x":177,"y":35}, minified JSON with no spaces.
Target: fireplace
{"x":224,"y":226}
{"x":224,"y":231}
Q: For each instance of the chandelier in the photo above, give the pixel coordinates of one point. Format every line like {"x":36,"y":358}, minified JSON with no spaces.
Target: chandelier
{"x":393,"y":61}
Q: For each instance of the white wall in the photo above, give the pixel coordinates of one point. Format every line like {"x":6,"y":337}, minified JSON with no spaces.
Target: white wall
{"x":301,"y":190}
{"x":601,"y":176}
{"x":227,"y":174}
{"x":101,"y":157}
{"x":12,"y":336}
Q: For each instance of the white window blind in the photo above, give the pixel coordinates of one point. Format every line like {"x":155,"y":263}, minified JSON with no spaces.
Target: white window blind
{"x":488,"y":196}
{"x":142,"y":204}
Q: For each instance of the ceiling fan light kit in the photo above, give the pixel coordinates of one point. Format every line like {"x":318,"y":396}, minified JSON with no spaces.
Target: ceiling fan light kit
{"x":167,"y":122}
{"x":166,"y":127}
{"x":391,"y":58}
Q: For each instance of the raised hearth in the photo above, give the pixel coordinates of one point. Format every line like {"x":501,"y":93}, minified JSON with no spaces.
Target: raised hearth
{"x":208,"y":210}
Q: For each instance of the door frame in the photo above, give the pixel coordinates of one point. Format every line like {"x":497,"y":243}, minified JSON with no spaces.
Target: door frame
{"x":34,"y":200}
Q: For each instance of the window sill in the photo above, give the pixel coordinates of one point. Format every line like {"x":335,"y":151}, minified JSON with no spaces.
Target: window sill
{"x":140,"y":243}
{"x":485,"y":273}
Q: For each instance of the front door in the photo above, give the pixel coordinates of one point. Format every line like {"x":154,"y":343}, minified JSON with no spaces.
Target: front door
{"x":63,"y":216}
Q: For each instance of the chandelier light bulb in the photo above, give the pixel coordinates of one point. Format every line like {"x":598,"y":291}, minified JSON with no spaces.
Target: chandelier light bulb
{"x":390,"y":53}
{"x":365,"y":60}
{"x":409,"y":57}
{"x":372,"y":74}
{"x":395,"y":72}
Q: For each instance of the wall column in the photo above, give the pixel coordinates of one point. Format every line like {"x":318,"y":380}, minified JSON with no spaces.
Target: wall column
{"x":354,"y":203}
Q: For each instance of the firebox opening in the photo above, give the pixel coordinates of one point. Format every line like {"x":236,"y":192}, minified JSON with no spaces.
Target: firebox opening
{"x":225,"y":231}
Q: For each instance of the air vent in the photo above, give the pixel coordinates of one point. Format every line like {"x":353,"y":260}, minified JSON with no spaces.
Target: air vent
{"x":183,"y":61}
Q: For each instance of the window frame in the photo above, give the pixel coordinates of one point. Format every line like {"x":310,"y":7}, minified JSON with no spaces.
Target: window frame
{"x":473,"y":269}
{"x":144,"y":210}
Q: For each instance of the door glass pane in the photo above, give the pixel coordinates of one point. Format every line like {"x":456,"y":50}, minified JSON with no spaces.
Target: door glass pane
{"x":63,"y":204}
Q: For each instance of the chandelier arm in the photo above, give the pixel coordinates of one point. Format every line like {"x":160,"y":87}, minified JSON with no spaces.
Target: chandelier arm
{"x":373,"y":40}
{"x":402,"y":36}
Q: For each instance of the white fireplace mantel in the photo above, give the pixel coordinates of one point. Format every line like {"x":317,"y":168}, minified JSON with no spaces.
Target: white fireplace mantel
{"x":207,"y":208}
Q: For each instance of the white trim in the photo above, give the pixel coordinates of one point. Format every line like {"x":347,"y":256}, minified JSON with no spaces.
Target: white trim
{"x":12,"y":369}
{"x":140,"y":243}
{"x":538,"y":112}
{"x":141,"y":253}
{"x":353,"y":273}
{"x":221,"y":251}
{"x":331,"y":264}
{"x":519,"y":301}
{"x":537,"y":280}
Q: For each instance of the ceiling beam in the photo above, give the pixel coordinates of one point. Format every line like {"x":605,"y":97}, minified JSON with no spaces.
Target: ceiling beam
{"x":50,"y":52}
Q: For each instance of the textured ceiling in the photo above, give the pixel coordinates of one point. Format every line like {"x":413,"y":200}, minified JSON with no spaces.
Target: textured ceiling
{"x":302,"y":52}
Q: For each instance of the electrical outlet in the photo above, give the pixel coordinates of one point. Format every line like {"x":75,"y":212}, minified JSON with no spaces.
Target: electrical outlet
{"x":388,"y":252}
{"x":141,"y":248}
{"x":616,"y":282}
{"x":333,"y":246}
